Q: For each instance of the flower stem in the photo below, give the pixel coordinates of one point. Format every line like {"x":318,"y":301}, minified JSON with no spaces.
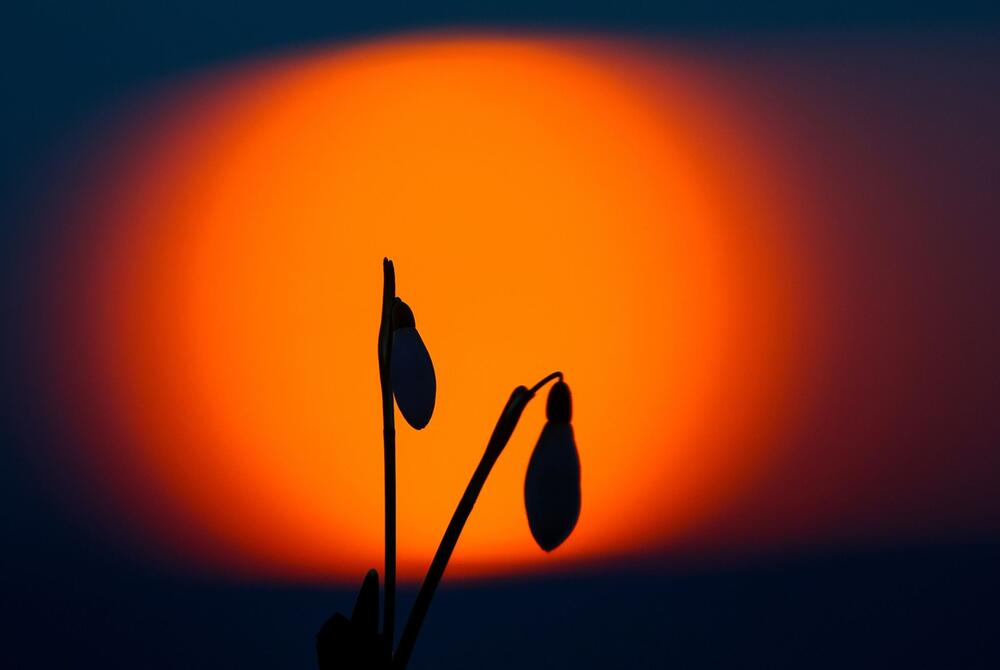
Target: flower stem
{"x":555,"y":375}
{"x":389,"y":449}
{"x":498,"y":440}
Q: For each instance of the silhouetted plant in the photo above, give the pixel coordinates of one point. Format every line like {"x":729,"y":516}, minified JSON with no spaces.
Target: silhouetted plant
{"x":551,"y":488}
{"x":413,"y":381}
{"x":355,"y":642}
{"x":552,"y":485}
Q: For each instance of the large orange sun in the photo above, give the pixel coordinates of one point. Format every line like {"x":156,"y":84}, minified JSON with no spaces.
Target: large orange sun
{"x":548,"y":204}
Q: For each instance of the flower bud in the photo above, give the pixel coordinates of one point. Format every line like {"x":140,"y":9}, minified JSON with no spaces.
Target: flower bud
{"x":413,"y":381}
{"x":365,"y":613}
{"x":559,"y":406}
{"x":552,"y":483}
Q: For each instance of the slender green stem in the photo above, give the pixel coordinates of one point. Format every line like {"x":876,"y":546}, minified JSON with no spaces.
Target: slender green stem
{"x":389,"y":449}
{"x":498,"y":440}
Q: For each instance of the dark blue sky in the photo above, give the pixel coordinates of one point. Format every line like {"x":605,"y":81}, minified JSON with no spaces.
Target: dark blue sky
{"x":69,"y":597}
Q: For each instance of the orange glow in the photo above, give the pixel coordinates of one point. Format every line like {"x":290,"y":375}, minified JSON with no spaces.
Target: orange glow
{"x":544,"y":209}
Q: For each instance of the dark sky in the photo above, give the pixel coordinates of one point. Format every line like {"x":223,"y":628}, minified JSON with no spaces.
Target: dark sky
{"x":71,"y":596}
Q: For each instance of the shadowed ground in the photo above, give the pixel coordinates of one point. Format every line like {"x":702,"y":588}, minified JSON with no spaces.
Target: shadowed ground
{"x":929,"y":606}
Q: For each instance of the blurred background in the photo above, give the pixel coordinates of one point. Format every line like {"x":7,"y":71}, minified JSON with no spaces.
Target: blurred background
{"x":835,"y":494}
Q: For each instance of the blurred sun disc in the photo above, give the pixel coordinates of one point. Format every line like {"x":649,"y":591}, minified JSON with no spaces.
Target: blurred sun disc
{"x":545,"y":207}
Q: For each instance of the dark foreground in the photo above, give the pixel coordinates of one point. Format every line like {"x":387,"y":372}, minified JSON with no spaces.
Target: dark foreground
{"x":917,"y":606}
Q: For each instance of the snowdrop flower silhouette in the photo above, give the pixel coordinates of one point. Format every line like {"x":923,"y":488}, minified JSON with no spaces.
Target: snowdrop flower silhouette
{"x":552,"y":483}
{"x":412,"y":371}
{"x":551,"y":488}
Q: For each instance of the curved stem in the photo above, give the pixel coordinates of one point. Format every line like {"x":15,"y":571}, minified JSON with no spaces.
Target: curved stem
{"x":555,"y":375}
{"x":506,"y":424}
{"x":389,"y":449}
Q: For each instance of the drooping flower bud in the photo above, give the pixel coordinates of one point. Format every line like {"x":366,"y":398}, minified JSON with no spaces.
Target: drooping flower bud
{"x":413,"y":380}
{"x":559,"y":406}
{"x":552,"y":483}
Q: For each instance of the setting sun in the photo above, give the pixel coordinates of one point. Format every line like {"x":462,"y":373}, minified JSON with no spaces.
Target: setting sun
{"x":548,"y":204}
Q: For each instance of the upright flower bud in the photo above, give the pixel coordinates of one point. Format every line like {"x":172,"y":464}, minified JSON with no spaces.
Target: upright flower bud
{"x":413,"y":381}
{"x":552,"y":483}
{"x":354,"y":642}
